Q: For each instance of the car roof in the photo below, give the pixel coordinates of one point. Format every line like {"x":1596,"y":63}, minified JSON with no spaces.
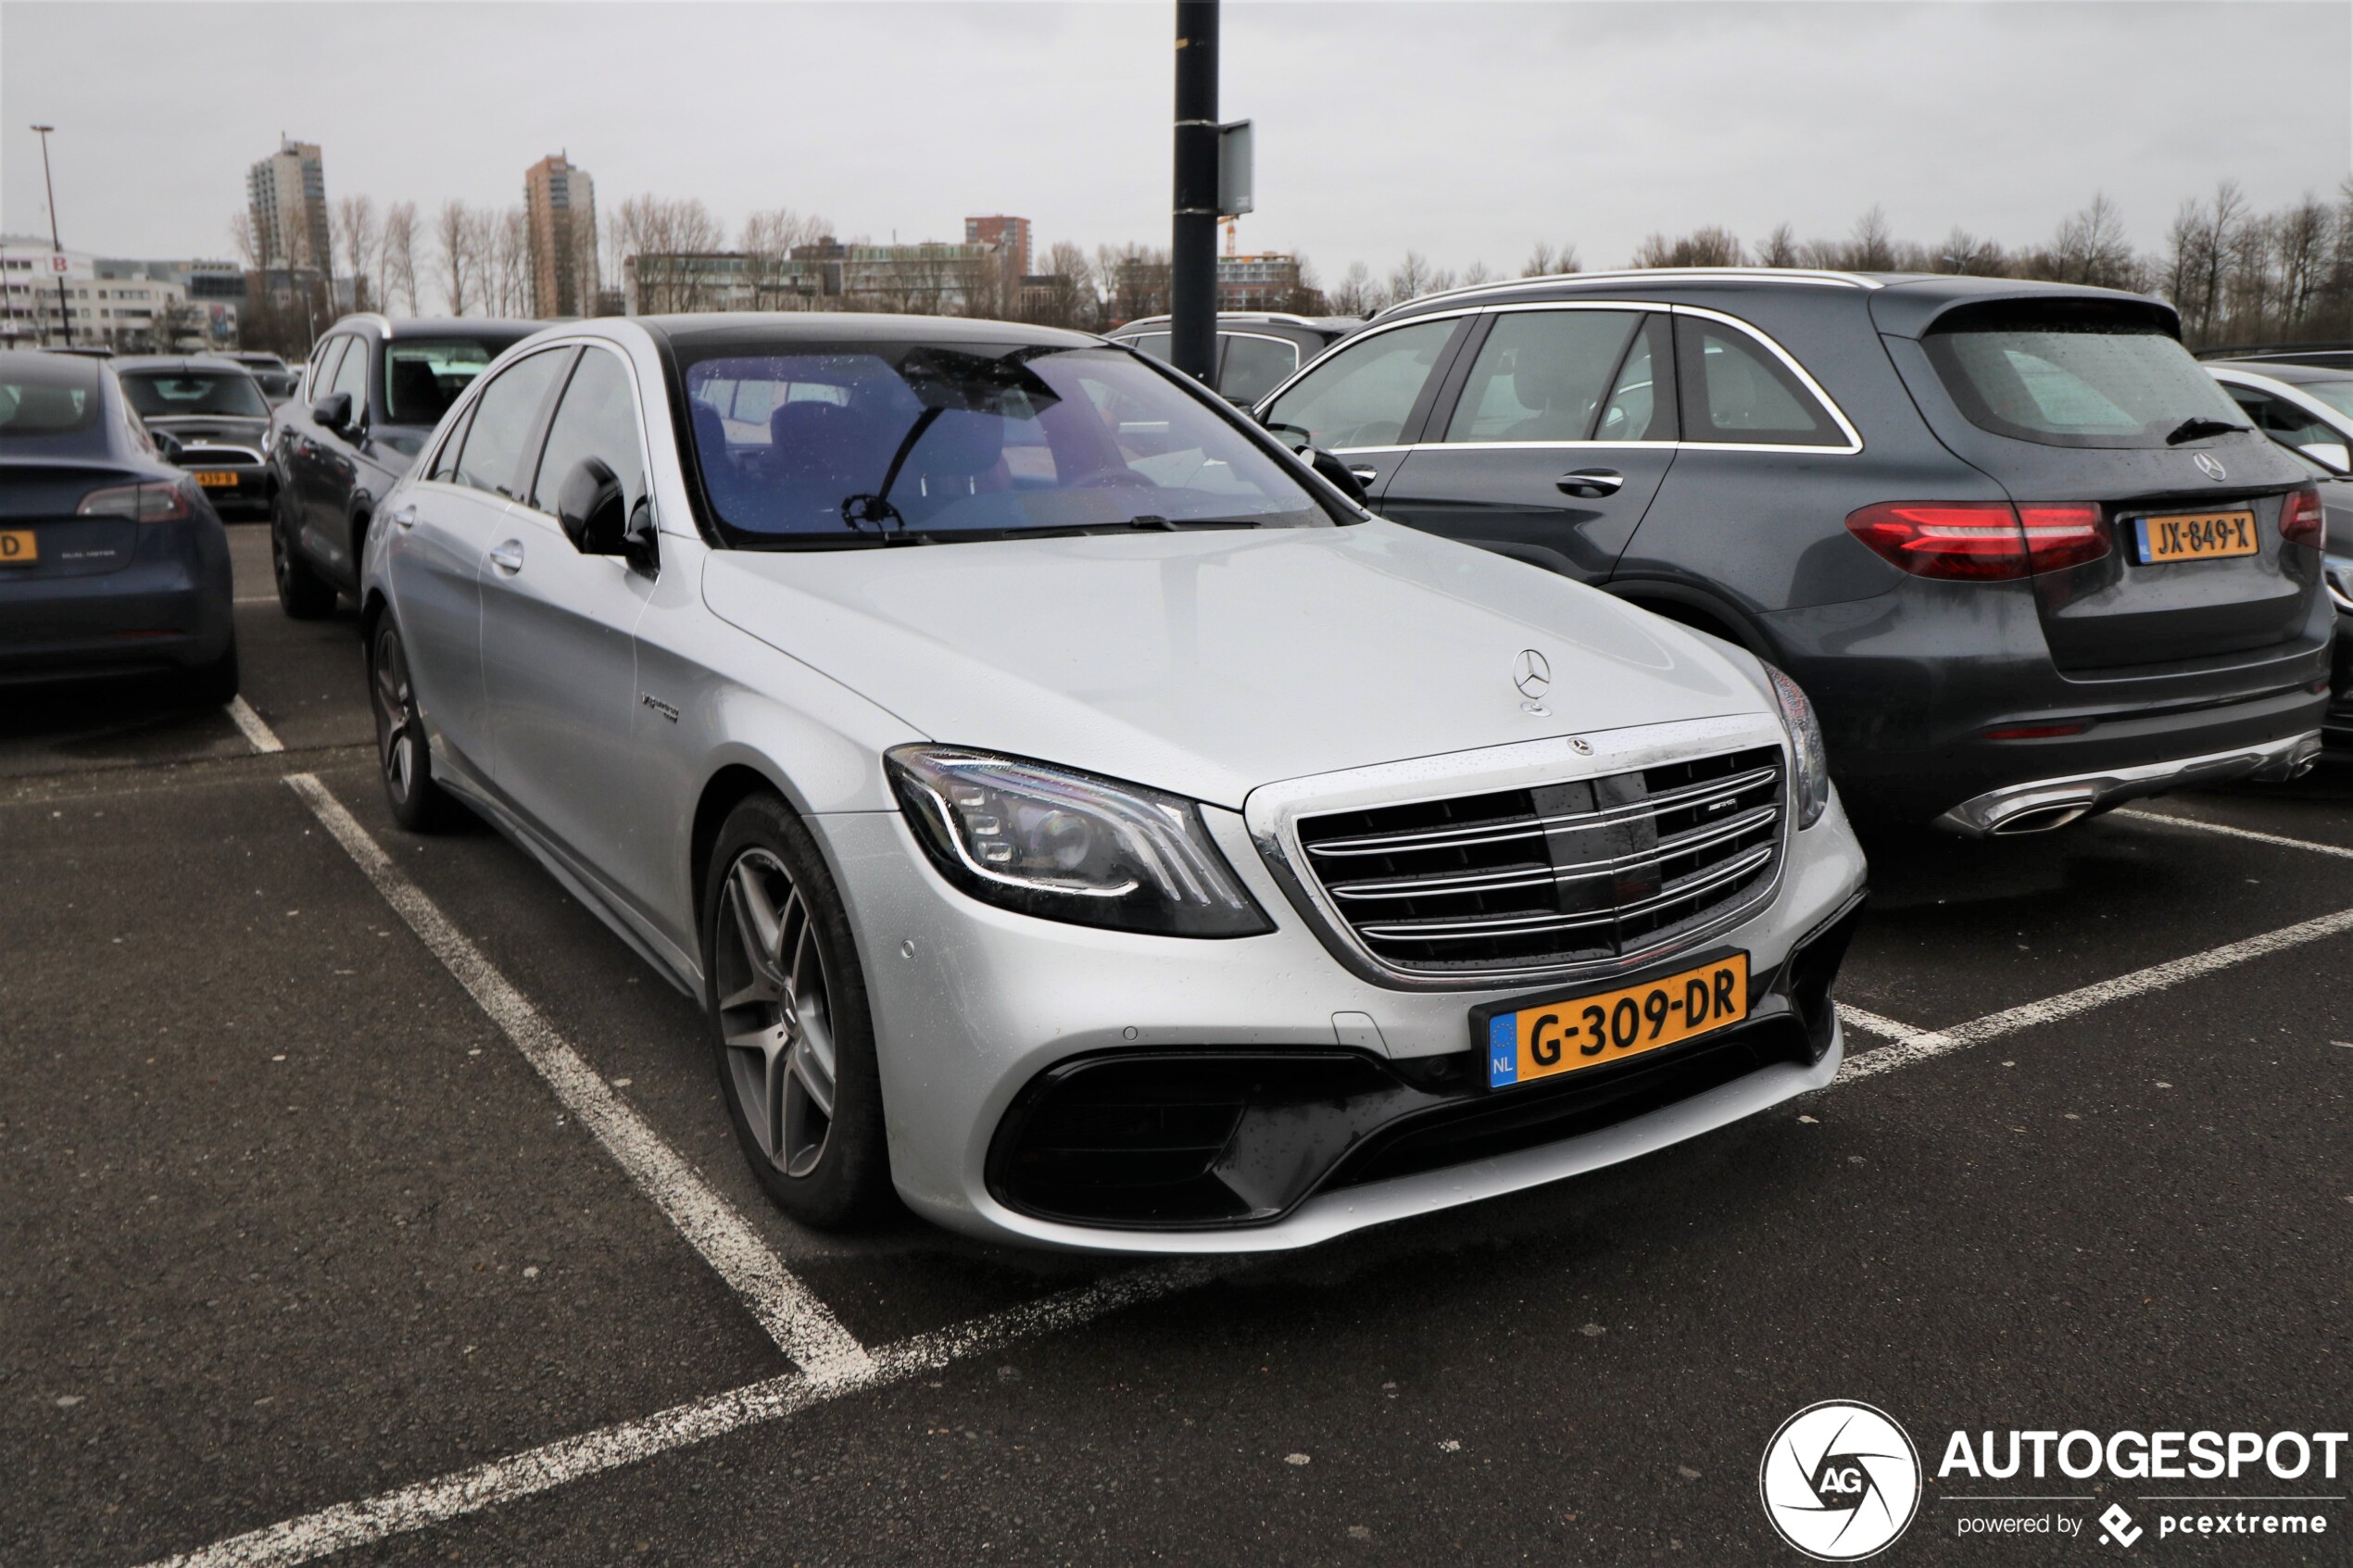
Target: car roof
{"x":1902,"y":302}
{"x":129,"y":362}
{"x":41,"y":367}
{"x":842,"y":326}
{"x":490,"y":329}
{"x":1336,"y":324}
{"x":2295,"y":372}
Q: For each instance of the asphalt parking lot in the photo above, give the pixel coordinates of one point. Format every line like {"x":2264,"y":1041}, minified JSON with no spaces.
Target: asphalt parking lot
{"x":364,"y":1196}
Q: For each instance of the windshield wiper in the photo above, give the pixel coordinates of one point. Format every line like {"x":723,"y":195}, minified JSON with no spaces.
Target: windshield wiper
{"x":2198,"y":425}
{"x":1153,"y":522}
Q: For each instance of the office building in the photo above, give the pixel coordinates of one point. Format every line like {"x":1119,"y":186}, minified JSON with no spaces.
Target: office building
{"x":560,"y":213}
{"x":1010,"y":234}
{"x":287,"y":194}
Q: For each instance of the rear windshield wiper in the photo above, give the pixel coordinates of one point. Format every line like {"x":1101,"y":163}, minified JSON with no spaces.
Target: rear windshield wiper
{"x":2198,"y":425}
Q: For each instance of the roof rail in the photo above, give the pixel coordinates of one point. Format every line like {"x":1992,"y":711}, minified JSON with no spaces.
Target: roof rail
{"x":1662,"y":274}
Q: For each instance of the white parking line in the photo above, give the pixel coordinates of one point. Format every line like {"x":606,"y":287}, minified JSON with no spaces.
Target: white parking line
{"x":1921,"y":1044}
{"x":258,"y":734}
{"x":591,"y":1454}
{"x":802,"y":1325}
{"x":2250,"y":834}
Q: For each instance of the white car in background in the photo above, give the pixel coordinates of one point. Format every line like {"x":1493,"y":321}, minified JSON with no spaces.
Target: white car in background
{"x":1073,"y":814}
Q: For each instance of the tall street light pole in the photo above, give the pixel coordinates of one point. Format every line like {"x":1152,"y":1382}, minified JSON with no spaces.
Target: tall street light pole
{"x":65,"y":317}
{"x":1192,"y":249}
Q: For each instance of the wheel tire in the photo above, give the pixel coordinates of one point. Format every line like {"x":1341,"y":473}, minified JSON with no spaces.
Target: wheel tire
{"x":404,"y":758}
{"x":214,"y":684}
{"x":302,"y":593}
{"x":811,"y":1130}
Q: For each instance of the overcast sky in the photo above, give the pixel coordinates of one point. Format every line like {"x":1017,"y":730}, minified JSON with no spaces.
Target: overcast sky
{"x":1464,"y":130}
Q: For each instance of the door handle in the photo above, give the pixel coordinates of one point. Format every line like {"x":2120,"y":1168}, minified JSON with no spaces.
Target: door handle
{"x":406,"y":517}
{"x":507,"y":557}
{"x":1591,"y":481}
{"x":1363,"y":476}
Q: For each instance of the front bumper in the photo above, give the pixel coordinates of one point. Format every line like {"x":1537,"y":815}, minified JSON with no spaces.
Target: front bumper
{"x":972,"y":1005}
{"x":2040,"y":805}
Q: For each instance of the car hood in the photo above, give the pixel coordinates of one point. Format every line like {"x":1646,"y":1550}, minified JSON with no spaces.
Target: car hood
{"x":1211,"y":663}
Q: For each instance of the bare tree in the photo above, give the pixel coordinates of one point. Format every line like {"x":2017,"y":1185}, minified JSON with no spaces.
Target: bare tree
{"x":769,"y":238}
{"x":453,"y":233}
{"x":244,"y":241}
{"x":1411,"y":278}
{"x":1711,"y":246}
{"x":656,"y":226}
{"x":354,"y":223}
{"x":1358,"y":294}
{"x":397,"y":267}
{"x":1870,"y":245}
{"x":2090,"y":247}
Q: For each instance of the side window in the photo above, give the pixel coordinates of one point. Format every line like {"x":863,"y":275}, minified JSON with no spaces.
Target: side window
{"x":1541,"y":375}
{"x":2282,"y":421}
{"x":504,"y":419}
{"x":351,"y":376}
{"x":445,"y":461}
{"x":1641,"y":405}
{"x":1363,"y":395}
{"x":1736,"y":390}
{"x":597,"y":419}
{"x":1154,"y":343}
{"x":1255,"y":365}
{"x":322,"y":368}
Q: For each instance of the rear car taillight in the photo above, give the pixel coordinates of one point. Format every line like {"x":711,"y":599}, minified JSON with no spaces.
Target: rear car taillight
{"x":1982,"y":541}
{"x":142,"y":503}
{"x":2302,"y":521}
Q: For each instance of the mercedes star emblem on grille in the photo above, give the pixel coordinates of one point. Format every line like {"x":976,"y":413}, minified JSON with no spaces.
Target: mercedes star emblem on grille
{"x":1532,"y":672}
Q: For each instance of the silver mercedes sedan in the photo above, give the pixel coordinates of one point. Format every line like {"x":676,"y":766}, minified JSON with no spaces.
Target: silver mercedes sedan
{"x":1072,"y":812}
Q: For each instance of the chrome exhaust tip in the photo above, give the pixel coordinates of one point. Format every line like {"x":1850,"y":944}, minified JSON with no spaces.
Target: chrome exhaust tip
{"x":2037,"y":819}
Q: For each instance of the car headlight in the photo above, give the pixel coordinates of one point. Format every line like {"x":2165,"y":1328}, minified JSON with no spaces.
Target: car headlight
{"x":1070,"y":846}
{"x":2337,"y":572}
{"x":1810,"y":786}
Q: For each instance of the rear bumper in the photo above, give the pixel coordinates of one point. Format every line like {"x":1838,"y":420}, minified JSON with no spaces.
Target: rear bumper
{"x":2040,"y":805}
{"x":169,"y":612}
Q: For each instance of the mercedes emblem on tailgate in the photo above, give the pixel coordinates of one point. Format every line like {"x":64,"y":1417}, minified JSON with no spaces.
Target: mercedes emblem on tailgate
{"x":2210,"y":467}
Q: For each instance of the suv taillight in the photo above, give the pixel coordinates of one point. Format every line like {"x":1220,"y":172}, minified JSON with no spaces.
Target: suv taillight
{"x":2302,"y":521}
{"x":143,"y":503}
{"x":1982,"y":541}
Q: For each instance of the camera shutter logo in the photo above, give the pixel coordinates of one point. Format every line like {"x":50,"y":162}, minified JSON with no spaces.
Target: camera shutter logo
{"x":1840,"y":1481}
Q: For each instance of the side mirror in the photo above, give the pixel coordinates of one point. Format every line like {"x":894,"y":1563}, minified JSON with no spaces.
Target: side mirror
{"x":591,"y":508}
{"x":637,"y":541}
{"x":1333,"y":469}
{"x":332,"y":411}
{"x":167,"y":446}
{"x":2334,"y":456}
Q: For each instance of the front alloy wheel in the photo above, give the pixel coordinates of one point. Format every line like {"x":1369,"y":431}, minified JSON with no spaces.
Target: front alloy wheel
{"x":773,"y":1013}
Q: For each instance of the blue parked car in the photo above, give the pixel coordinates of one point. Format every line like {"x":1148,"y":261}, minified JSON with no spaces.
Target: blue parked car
{"x":111,"y":560}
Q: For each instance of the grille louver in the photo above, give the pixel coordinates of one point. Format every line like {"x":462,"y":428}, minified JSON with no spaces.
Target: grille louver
{"x":1555,"y":876}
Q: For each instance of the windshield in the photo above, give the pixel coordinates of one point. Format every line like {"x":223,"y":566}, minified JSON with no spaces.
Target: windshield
{"x":165,"y":394}
{"x":940,"y":439}
{"x":422,"y":378}
{"x":2064,"y":379}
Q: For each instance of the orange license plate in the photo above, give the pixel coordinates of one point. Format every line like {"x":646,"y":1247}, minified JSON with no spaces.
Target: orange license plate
{"x":1526,"y":1041}
{"x":19,"y":546}
{"x":2195,"y":536}
{"x":215,"y":479}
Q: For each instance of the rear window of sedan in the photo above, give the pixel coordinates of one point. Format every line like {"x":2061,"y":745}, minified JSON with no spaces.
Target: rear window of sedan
{"x":2075,"y":374}
{"x":946,"y":439}
{"x":162,"y":394}
{"x":46,"y":396}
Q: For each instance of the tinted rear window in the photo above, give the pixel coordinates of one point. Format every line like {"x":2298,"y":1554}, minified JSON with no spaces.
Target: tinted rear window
{"x":2075,"y":376}
{"x":164,"y":394}
{"x":57,"y":396}
{"x":422,"y":378}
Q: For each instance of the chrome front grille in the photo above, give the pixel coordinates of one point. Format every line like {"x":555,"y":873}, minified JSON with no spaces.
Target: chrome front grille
{"x":1557,"y":875}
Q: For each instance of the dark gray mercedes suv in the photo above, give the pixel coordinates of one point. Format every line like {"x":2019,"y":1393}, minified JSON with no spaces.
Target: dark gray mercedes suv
{"x":2026,"y":556}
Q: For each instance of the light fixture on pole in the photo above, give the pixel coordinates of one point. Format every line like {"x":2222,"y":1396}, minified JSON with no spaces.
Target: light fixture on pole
{"x":58,"y":257}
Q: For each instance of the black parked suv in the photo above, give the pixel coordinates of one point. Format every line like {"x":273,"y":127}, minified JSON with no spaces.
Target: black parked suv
{"x":217,"y":418}
{"x":1257,"y":351}
{"x":2024,"y":554}
{"x":371,"y":393}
